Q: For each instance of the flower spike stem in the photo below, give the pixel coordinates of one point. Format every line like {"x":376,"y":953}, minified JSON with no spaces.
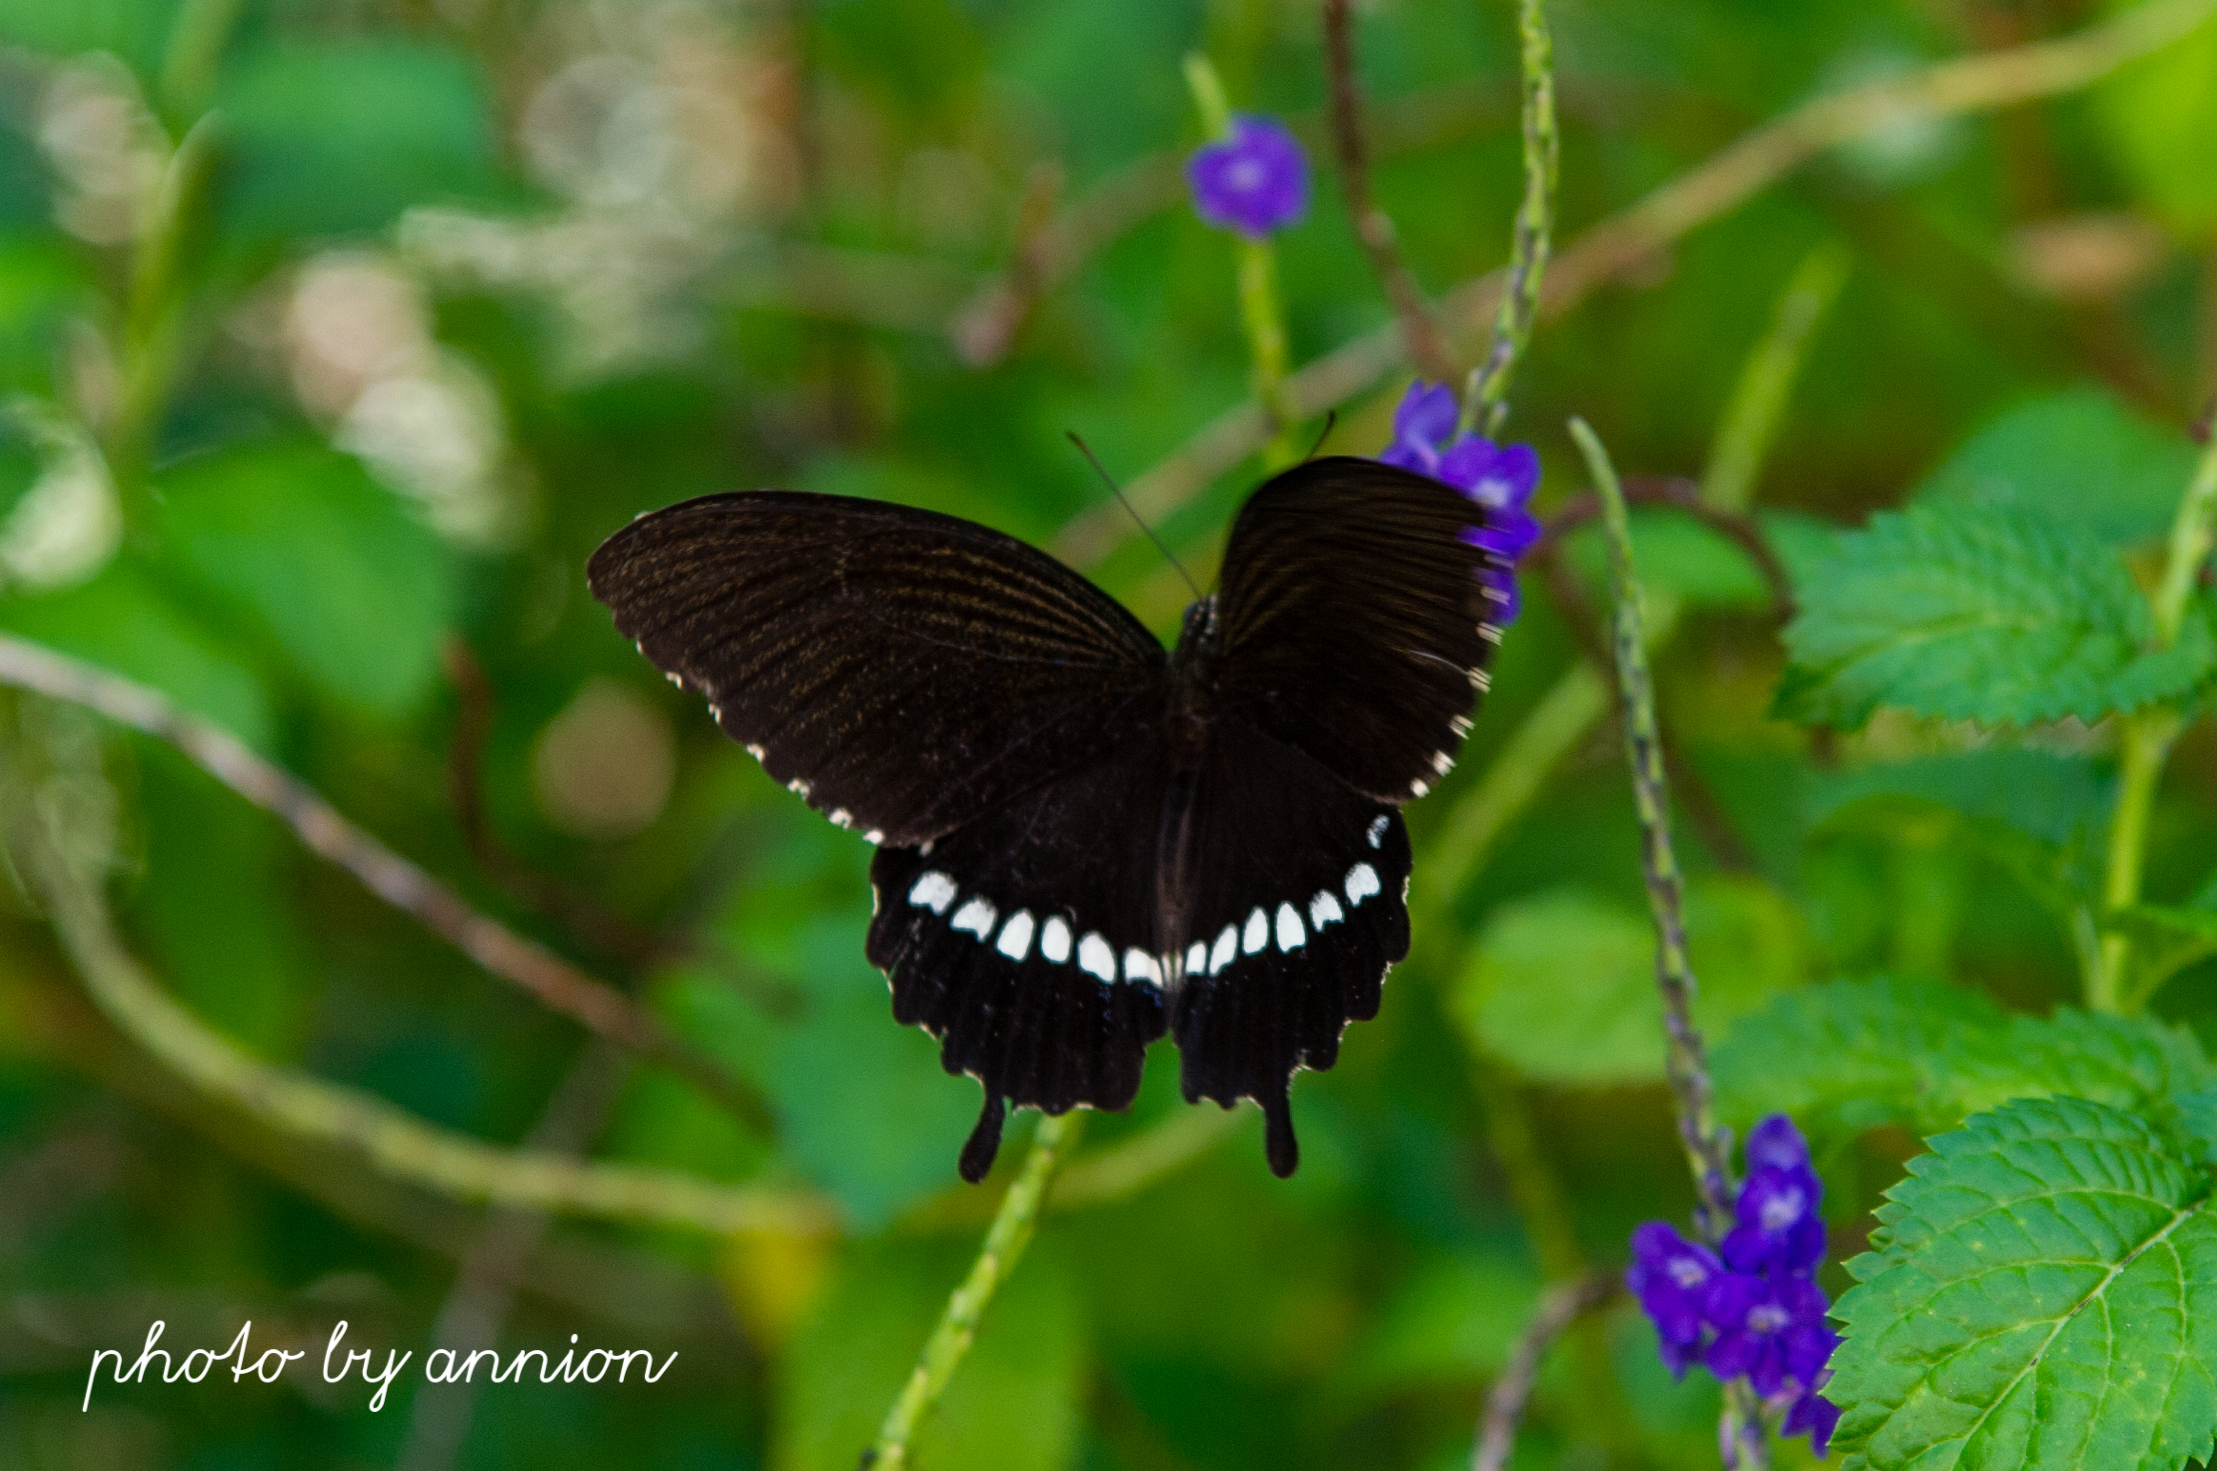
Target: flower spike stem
{"x":2147,"y":737}
{"x":1563,"y":1305}
{"x":1486,"y":396}
{"x":1005,"y":1241}
{"x":1706,"y":1149}
{"x":1261,"y":314}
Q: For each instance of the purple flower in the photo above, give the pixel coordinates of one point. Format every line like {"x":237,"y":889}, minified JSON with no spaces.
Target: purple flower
{"x":1499,"y":477}
{"x":1255,"y":182}
{"x":1673,"y":1279}
{"x":1778,"y":1229}
{"x":1775,"y":1144}
{"x":1814,"y":1415}
{"x":1770,"y":1329}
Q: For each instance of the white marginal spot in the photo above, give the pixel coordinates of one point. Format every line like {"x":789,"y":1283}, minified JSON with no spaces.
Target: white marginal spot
{"x":1016,"y":935}
{"x":1324,"y":909}
{"x":1378,"y":826}
{"x":1419,"y":788}
{"x":1140,"y":966}
{"x":977,"y":915}
{"x":1227,"y":945}
{"x":1362,"y":882}
{"x":1197,"y":957}
{"x":798,"y":788}
{"x":1290,"y":934}
{"x":674,"y":677}
{"x":1095,"y":957}
{"x":1461,"y":725}
{"x":1258,"y":932}
{"x":755,"y":751}
{"x":873,"y":837}
{"x":1489,"y":633}
{"x":933,"y":890}
{"x":841,"y":817}
{"x":922,"y":852}
{"x":1442,"y":762}
{"x":1054,"y":939}
{"x":1480,"y":680}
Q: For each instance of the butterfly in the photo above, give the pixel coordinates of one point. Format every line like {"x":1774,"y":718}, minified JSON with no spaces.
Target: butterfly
{"x":1084,"y":840}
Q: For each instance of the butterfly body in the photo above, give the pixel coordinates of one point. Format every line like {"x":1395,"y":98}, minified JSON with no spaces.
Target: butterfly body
{"x":1085,"y":842}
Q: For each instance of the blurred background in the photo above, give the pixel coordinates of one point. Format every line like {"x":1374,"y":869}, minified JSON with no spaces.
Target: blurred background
{"x":335,"y":334}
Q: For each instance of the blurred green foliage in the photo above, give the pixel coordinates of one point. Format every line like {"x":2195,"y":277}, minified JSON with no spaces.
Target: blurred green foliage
{"x":334,"y":336}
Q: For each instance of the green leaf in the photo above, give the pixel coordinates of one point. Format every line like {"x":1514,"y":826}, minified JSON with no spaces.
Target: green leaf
{"x":1562,"y":986}
{"x":1984,"y":613}
{"x":2041,"y":1293}
{"x":337,"y":139}
{"x":2168,"y":939}
{"x":122,"y":622}
{"x":131,"y":29}
{"x":1851,"y":1055}
{"x":1014,"y":1406}
{"x":306,"y":550}
{"x":2082,"y":458}
{"x":2157,"y":116}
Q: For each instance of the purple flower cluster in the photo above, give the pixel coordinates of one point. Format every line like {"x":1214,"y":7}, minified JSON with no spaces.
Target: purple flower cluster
{"x":1500,"y":477}
{"x":1750,"y":1309}
{"x":1256,"y":181}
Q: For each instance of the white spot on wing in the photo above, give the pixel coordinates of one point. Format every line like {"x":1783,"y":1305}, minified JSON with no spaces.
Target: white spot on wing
{"x":873,"y":837}
{"x":1324,"y":909}
{"x":1489,"y":633}
{"x":754,"y":750}
{"x":1419,"y":788}
{"x":1290,"y":934}
{"x":1054,"y":939}
{"x":976,"y":916}
{"x":1197,"y":957}
{"x":1095,"y":957}
{"x":841,"y":817}
{"x":1227,"y":945}
{"x":933,"y":890}
{"x":798,"y":788}
{"x":1140,"y":966}
{"x":1442,"y":762}
{"x":1378,"y":826}
{"x":1257,"y":934}
{"x":1362,"y":882}
{"x":1016,"y":935}
{"x":1461,"y":725}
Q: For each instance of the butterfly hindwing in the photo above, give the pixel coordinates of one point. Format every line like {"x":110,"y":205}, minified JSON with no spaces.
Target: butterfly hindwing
{"x":1355,"y":625}
{"x":902,"y":670}
{"x":1028,"y":941}
{"x":1294,"y":886}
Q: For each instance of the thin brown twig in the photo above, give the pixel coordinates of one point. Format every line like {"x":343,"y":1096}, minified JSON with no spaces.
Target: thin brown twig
{"x":1373,"y":226}
{"x":553,"y":981}
{"x":1512,"y":1391}
{"x":592,"y":923}
{"x":987,"y":323}
{"x":1625,"y":239}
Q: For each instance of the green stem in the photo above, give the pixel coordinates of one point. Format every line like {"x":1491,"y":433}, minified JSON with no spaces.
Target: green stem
{"x":2148,"y":735}
{"x":1005,"y":1241}
{"x":1486,"y":392}
{"x":1759,"y":397}
{"x":392,"y":1142}
{"x":1685,"y":1063}
{"x":1263,"y":315}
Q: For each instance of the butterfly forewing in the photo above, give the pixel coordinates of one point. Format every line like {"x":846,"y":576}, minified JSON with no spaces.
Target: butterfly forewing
{"x":1354,"y":623}
{"x":902,"y":670}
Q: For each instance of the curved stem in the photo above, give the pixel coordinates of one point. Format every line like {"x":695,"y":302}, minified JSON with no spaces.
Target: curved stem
{"x":392,"y":1141}
{"x":949,"y":1343}
{"x":554,"y":982}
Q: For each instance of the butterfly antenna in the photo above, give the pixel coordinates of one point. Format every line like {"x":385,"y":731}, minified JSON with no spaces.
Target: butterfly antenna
{"x":1331,"y":421}
{"x":1118,"y":491}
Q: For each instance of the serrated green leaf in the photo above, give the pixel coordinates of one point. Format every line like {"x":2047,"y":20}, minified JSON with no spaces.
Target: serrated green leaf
{"x":2081,"y":457}
{"x":1562,"y":986}
{"x":2042,"y":1293}
{"x":2055,"y":799}
{"x":1850,"y":1055}
{"x":1983,"y":613}
{"x":305,"y":548}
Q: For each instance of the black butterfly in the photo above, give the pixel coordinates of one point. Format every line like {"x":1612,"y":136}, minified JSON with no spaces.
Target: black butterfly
{"x":1083,"y":840}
